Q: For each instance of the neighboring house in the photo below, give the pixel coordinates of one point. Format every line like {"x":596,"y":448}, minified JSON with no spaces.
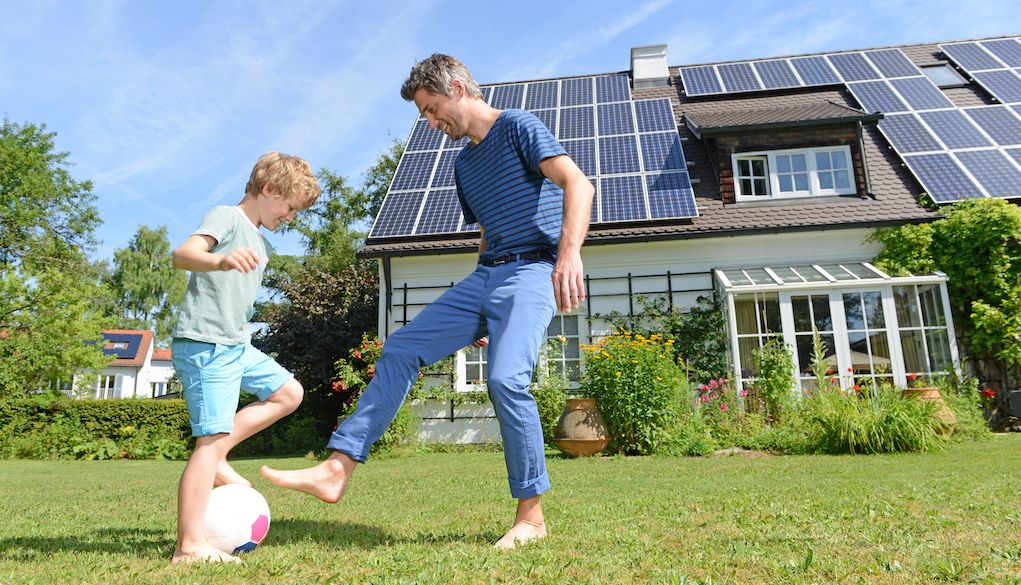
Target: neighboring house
{"x":756,"y":183}
{"x":138,"y":369}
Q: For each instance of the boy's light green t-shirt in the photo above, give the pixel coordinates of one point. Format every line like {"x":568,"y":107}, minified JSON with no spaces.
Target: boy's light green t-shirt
{"x":219,"y":304}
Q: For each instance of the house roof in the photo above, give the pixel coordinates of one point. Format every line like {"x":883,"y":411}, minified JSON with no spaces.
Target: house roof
{"x":743,"y":120}
{"x":128,"y":347}
{"x":162,"y":354}
{"x":892,"y":200}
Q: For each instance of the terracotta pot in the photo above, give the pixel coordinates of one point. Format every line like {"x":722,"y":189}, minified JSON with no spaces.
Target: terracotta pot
{"x":581,"y":431}
{"x":943,"y":413}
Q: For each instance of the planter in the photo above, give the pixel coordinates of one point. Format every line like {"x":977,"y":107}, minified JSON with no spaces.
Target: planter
{"x":943,"y":413}
{"x":581,"y":431}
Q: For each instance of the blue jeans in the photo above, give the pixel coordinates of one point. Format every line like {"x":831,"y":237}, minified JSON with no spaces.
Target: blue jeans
{"x":513,"y":304}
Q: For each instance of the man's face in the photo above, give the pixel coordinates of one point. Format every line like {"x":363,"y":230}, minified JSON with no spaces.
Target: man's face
{"x":442,"y":112}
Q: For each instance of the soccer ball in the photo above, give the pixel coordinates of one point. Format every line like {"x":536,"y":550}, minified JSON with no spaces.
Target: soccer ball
{"x":237,"y":518}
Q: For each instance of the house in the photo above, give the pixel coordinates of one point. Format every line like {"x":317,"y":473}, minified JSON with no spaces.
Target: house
{"x":137,"y":369}
{"x":756,"y":183}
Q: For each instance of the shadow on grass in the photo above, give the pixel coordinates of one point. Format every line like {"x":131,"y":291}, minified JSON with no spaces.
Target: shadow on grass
{"x":351,"y":535}
{"x":123,"y":541}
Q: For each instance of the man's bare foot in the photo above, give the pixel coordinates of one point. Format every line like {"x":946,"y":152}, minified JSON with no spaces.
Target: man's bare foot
{"x":326,"y":481}
{"x":522,"y":532}
{"x":204,"y":553}
{"x":225,"y":474}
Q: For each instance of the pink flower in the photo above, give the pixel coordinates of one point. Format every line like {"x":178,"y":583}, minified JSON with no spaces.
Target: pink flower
{"x":704,"y":398}
{"x":724,"y":407}
{"x":912,"y":376}
{"x":744,"y":393}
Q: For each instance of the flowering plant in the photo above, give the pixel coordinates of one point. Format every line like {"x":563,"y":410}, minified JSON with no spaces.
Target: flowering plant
{"x":988,"y":398}
{"x":917,"y":381}
{"x":717,"y":395}
{"x":355,"y":372}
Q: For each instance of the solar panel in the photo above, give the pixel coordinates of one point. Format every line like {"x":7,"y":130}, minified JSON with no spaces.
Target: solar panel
{"x":424,"y":138}
{"x":877,"y":96}
{"x":852,"y":66}
{"x":133,"y":341}
{"x":1008,"y":50}
{"x":441,"y":213}
{"x":594,"y":215}
{"x":971,"y":57}
{"x":549,"y":118}
{"x":583,"y":152}
{"x":398,"y":214}
{"x":444,"y":175}
{"x":486,"y":93}
{"x":998,"y":122}
{"x":622,"y":199}
{"x":618,"y":154}
{"x":508,"y":96}
{"x":941,"y":178}
{"x":920,"y":93}
{"x":993,"y":170}
{"x":1018,"y":110}
{"x":700,"y":80}
{"x":776,"y":74}
{"x":662,"y":152}
{"x":815,"y":71}
{"x":892,"y":63}
{"x":615,"y":119}
{"x":413,"y":171}
{"x":1014,"y":153}
{"x":458,"y":144}
{"x":738,"y":77}
{"x":542,"y":95}
{"x":654,"y":115}
{"x":907,"y":134}
{"x":576,"y":92}
{"x":577,"y":123}
{"x":1005,"y":85}
{"x":613,"y":88}
{"x":670,"y":196}
{"x":954,"y":129}
{"x":470,"y":227}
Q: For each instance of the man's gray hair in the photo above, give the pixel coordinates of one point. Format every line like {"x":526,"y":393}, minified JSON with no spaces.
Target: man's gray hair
{"x":435,"y":74}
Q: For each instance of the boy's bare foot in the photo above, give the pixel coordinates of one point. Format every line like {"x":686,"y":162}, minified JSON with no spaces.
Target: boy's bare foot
{"x":204,"y":553}
{"x":326,"y":481}
{"x":522,"y":532}
{"x":225,"y":474}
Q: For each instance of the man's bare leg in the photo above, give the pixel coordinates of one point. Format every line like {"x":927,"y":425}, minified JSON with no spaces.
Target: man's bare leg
{"x":529,"y":524}
{"x":326,"y":481}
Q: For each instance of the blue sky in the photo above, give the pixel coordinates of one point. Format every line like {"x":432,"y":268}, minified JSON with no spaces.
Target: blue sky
{"x":166,"y":105}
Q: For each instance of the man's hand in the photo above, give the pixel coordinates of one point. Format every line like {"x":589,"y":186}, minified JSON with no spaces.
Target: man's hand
{"x":569,"y":281}
{"x":480,"y":342}
{"x":240,"y":259}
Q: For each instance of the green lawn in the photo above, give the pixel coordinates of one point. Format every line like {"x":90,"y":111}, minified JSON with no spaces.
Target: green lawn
{"x":947,"y":517}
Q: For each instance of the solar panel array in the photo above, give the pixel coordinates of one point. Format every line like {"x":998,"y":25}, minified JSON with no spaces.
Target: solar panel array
{"x":954,"y":153}
{"x":630,"y":150}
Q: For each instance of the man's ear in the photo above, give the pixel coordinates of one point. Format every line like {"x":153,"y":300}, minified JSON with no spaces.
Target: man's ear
{"x":458,"y":89}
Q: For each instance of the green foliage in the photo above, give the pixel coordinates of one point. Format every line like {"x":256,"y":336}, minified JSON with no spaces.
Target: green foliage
{"x":699,"y":331}
{"x":775,"y":380}
{"x":295,"y":434}
{"x":876,"y":420}
{"x":399,"y":432}
{"x":977,"y":245}
{"x":638,"y":386}
{"x":549,"y":388}
{"x":145,"y":283}
{"x":47,"y":427}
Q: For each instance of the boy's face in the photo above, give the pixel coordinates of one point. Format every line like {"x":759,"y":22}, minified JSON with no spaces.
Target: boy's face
{"x":274,"y":210}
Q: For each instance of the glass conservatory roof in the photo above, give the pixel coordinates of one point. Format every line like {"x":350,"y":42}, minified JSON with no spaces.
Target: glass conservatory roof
{"x":846,"y":274}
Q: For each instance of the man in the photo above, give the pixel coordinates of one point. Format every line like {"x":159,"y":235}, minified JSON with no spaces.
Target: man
{"x":532,"y":204}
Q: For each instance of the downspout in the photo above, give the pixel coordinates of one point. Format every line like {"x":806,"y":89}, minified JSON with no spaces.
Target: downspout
{"x":388,"y":296}
{"x":864,"y":161}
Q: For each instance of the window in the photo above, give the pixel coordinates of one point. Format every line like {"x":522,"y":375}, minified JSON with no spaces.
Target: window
{"x":923,"y":329}
{"x":866,"y":336}
{"x":106,"y":387}
{"x":793,"y":173}
{"x":476,"y":367}
{"x":567,"y":359}
{"x":812,"y":315}
{"x":944,"y":75}
{"x":116,"y":345}
{"x":158,"y":388}
{"x":757,"y":317}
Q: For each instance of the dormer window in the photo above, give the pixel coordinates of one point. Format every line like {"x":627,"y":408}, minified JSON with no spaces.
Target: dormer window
{"x":801,"y":172}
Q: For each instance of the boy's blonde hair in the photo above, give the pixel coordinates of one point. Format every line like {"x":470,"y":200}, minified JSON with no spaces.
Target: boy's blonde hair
{"x":287,"y":176}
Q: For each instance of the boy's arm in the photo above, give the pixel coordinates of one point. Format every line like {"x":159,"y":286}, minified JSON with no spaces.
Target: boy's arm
{"x":194,"y":256}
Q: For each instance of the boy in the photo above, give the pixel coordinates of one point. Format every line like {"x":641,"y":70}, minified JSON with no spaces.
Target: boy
{"x":213,"y":355}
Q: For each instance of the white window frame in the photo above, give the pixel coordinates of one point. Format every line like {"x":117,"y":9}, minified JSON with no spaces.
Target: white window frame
{"x":814,"y":190}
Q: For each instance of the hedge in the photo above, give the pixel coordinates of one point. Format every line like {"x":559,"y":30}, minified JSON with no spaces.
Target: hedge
{"x":109,"y":419}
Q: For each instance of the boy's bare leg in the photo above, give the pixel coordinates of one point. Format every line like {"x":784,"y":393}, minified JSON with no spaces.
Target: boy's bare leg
{"x":326,"y":481}
{"x":529,"y":524}
{"x":192,"y":498}
{"x":254,"y":418}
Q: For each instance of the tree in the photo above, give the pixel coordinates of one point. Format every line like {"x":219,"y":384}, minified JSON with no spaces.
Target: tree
{"x":51,"y":299}
{"x":145,"y":283}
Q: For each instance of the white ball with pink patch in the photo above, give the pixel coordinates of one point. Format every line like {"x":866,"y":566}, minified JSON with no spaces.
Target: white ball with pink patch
{"x":237,"y":518}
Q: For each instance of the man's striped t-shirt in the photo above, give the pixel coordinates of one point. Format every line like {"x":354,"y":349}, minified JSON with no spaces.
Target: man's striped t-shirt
{"x":500,"y":186}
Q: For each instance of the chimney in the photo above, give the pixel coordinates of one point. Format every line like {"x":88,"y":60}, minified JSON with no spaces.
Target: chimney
{"x":649,"y":67}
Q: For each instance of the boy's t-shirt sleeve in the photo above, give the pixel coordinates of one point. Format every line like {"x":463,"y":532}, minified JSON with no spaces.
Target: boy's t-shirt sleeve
{"x":534,"y":140}
{"x":217,"y":224}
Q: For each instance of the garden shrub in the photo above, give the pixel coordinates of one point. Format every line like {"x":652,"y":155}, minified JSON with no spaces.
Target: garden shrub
{"x":638,"y":386}
{"x":549,"y":388}
{"x":774,"y":369}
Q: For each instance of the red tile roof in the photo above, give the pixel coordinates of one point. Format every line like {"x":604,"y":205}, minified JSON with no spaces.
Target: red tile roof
{"x":142,"y":349}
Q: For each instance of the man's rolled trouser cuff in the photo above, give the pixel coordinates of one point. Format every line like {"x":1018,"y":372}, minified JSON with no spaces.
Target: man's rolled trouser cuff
{"x":530,"y":489}
{"x":349,"y":448}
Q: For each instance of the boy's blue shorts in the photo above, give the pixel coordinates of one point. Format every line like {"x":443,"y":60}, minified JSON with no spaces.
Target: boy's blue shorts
{"x":213,"y":375}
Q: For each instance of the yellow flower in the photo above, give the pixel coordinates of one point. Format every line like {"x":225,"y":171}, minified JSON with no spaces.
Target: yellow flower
{"x":617,"y":373}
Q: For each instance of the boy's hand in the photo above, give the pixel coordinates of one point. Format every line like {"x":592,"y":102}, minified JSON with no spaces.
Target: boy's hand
{"x":480,"y":342}
{"x":240,"y":259}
